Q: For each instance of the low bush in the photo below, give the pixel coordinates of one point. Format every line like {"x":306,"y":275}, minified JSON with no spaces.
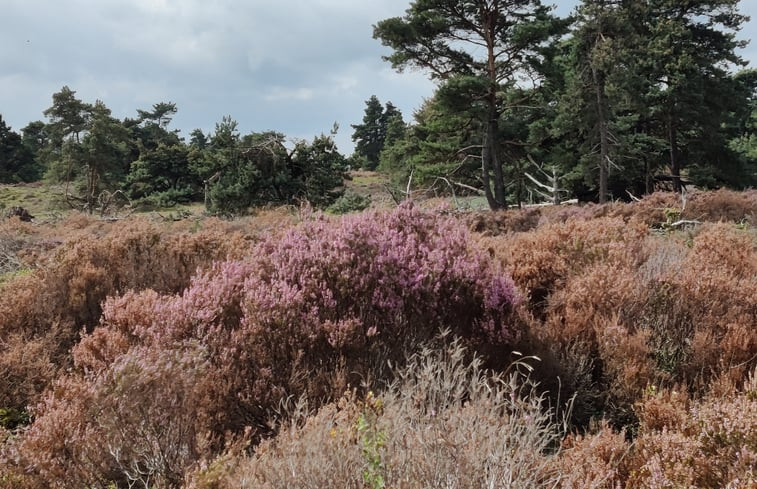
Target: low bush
{"x":445,"y":422}
{"x":45,"y":310}
{"x":350,"y":202}
{"x":321,"y":308}
{"x":169,"y":350}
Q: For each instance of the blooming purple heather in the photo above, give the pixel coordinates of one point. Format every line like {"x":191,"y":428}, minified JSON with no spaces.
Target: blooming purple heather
{"x":382,"y":275}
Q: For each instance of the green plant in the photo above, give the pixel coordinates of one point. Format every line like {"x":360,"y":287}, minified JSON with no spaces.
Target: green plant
{"x":350,"y":202}
{"x":372,"y":440}
{"x":11,"y":418}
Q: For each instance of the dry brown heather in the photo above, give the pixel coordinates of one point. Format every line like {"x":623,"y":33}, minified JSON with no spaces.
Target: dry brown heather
{"x":649,"y":328}
{"x":56,"y":277}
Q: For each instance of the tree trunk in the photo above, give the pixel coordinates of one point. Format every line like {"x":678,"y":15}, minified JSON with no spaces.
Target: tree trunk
{"x":498,"y":200}
{"x":604,"y":146}
{"x":675,"y":162}
{"x":486,"y":174}
{"x":492,"y":128}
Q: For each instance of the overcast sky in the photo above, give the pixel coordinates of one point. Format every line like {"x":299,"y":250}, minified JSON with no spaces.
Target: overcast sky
{"x":295,"y":66}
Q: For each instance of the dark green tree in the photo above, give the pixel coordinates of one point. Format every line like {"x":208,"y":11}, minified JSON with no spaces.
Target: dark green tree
{"x":150,"y":128}
{"x":68,"y":115}
{"x":439,"y":149}
{"x":393,"y":125}
{"x":489,"y":44}
{"x":16,"y":159}
{"x":370,"y":137}
{"x":198,"y":139}
{"x":88,"y":148}
{"x":161,"y":114}
{"x":68,"y":118}
{"x":161,"y":173}
{"x":104,"y":156}
{"x":690,"y":47}
{"x":259,"y":169}
{"x":597,"y":109}
{"x":162,"y":176}
{"x":321,"y":168}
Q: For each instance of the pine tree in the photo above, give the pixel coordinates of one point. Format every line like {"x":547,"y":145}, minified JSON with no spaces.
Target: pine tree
{"x":487,"y":45}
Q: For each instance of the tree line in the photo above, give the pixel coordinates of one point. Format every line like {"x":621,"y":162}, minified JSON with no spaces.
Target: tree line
{"x":102,"y":159}
{"x":619,"y":99}
{"x":622,"y":97}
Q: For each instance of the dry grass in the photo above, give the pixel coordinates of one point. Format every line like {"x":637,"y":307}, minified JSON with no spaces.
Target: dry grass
{"x":445,"y":422}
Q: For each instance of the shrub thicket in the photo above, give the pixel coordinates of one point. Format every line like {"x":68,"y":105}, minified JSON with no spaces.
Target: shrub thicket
{"x":308,"y":313}
{"x":169,"y":351}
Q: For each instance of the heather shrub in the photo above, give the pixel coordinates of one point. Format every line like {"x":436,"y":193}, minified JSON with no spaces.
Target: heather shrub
{"x":26,"y":368}
{"x":83,"y":272}
{"x":133,"y":424}
{"x":495,"y":223}
{"x":598,"y":460}
{"x":711,"y":443}
{"x":323,"y":307}
{"x":51,"y":305}
{"x":11,"y":243}
{"x":540,"y":262}
{"x":444,"y":422}
{"x":722,"y":205}
{"x":679,"y":312}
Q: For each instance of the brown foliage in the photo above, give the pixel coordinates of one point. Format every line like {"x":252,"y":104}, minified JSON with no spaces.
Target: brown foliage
{"x":46,"y":309}
{"x":445,"y":423}
{"x":652,"y":329}
{"x":617,"y":307}
{"x":134,"y":424}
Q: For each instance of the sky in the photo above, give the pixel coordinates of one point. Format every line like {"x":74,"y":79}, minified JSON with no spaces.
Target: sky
{"x":294,"y":66}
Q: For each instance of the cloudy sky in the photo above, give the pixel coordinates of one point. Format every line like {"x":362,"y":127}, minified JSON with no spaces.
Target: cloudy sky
{"x":295,"y":66}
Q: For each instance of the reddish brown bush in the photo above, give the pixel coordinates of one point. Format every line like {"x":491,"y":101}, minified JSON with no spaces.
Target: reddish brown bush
{"x":712,"y":443}
{"x":324,"y":306}
{"x":52,"y":304}
{"x":134,"y":424}
{"x":444,"y":423}
{"x":541,"y":261}
{"x":496,"y":223}
{"x":593,"y":461}
{"x":687,"y":318}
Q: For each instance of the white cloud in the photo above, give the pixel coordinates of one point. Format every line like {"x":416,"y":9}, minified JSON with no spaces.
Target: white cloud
{"x":290,"y":94}
{"x":293,"y":65}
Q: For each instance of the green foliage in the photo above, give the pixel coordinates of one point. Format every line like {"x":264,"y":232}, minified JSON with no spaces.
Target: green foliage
{"x":17,"y":162}
{"x":381,"y":126}
{"x":435,"y":146}
{"x":89,"y":149}
{"x":11,"y":418}
{"x":258,"y":169}
{"x":322,"y":170}
{"x":350,"y":202}
{"x":162,"y":175}
{"x":465,"y":42}
{"x":373,"y":441}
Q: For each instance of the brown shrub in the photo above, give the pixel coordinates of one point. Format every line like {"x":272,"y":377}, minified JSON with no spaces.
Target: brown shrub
{"x":682,"y":316}
{"x":135,"y":424}
{"x":445,"y":423}
{"x":616,"y":308}
{"x":711,"y":443}
{"x":722,"y":205}
{"x":496,"y":223}
{"x":594,"y":461}
{"x":52,"y":304}
{"x":27,"y":366}
{"x":541,"y":261}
